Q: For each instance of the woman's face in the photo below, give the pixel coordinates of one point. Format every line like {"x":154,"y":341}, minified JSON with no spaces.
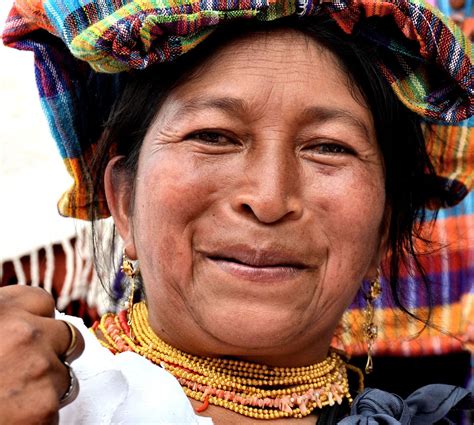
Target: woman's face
{"x":259,"y":203}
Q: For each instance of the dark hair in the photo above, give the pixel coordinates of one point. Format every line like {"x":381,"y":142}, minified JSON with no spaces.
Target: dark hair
{"x":408,"y":170}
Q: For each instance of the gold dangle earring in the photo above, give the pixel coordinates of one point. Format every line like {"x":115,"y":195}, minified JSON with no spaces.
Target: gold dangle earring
{"x":370,"y":328}
{"x":131,"y":272}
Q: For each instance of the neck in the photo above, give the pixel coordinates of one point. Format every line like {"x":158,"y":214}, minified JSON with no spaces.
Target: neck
{"x":246,"y":388}
{"x":293,"y":351}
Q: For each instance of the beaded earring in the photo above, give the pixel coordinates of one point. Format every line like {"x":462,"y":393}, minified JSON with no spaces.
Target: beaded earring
{"x":370,"y":328}
{"x":129,"y":269}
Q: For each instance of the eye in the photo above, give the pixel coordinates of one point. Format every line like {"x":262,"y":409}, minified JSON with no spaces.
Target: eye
{"x":330,"y":148}
{"x":213,"y":138}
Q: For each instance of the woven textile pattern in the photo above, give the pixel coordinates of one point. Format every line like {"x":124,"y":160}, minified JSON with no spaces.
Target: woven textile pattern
{"x":429,"y":66}
{"x":450,"y":269}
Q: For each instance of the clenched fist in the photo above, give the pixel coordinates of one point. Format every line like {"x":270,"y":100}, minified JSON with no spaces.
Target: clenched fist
{"x":33,"y":377}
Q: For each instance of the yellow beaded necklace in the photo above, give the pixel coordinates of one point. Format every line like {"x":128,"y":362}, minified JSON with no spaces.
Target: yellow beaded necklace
{"x":250,"y":389}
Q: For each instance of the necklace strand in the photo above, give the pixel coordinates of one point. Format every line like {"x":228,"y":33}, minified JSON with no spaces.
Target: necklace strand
{"x":250,"y":389}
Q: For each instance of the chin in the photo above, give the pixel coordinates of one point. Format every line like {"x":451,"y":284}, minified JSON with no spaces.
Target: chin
{"x":251,"y":331}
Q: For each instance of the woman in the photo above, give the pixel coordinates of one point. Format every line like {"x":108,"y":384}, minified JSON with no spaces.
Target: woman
{"x":257,"y":180}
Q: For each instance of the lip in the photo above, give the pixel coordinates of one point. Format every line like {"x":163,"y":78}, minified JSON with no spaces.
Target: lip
{"x":263,"y":265}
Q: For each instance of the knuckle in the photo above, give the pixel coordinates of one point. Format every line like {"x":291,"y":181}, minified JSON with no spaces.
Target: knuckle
{"x":22,"y":331}
{"x":12,"y":292}
{"x":22,"y":303}
{"x":40,"y":366}
{"x":47,"y":408}
{"x":43,"y":298}
{"x":51,"y":406}
{"x":36,"y":404}
{"x":15,"y":296}
{"x":8,"y":294}
{"x":46,"y":299}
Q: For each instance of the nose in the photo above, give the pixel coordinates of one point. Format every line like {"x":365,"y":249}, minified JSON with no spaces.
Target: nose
{"x":269,"y":190}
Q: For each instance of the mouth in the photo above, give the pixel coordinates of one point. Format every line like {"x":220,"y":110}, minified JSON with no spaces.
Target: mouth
{"x":257,"y":265}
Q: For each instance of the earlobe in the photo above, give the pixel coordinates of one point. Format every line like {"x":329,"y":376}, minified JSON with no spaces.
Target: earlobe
{"x":117,"y":191}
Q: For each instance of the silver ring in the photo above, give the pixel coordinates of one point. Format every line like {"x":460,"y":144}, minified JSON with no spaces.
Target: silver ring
{"x":73,"y":390}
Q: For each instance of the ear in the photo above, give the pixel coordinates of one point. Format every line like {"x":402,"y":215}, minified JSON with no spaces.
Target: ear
{"x":119,"y":197}
{"x":383,"y":245}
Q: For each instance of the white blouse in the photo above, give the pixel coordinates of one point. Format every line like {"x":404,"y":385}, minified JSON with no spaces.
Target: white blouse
{"x":124,"y":389}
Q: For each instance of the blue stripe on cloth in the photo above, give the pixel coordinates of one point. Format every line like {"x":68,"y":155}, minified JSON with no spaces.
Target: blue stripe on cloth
{"x":465,"y":207}
{"x":446,"y":288}
{"x":60,"y":128}
{"x":76,"y":12}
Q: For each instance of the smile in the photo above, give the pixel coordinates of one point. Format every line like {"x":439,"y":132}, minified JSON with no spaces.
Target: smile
{"x":257,"y":265}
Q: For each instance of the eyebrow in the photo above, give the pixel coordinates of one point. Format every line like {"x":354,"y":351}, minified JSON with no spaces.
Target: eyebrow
{"x":238,"y":106}
{"x":230,"y":105}
{"x":324,"y":114}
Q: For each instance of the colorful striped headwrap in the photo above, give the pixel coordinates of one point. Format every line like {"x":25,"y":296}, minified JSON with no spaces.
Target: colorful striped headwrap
{"x":78,"y":42}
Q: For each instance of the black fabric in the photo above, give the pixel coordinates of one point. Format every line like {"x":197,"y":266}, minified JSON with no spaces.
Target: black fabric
{"x":403,"y":375}
{"x":331,"y":415}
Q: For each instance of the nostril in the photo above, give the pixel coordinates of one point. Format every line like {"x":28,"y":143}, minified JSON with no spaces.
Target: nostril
{"x":247,"y":208}
{"x":268,"y":209}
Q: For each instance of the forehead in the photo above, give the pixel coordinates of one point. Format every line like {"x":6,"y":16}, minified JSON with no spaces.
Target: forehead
{"x":280,"y":72}
{"x":280,"y":47}
{"x":277,"y":55}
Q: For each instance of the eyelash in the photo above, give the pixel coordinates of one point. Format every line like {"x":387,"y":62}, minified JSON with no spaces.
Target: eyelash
{"x":211,"y":138}
{"x":207,"y":136}
{"x":331,"y":148}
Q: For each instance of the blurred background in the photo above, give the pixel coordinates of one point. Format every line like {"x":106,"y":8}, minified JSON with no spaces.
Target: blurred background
{"x":38,"y":247}
{"x":32,"y":176}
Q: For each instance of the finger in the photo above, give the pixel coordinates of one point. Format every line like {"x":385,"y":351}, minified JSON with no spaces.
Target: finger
{"x":75,"y":345}
{"x":71,"y":392}
{"x":60,"y":388}
{"x":60,"y":337}
{"x":65,"y":381}
{"x":34,"y":300}
{"x":54,"y":420}
{"x":30,"y":332}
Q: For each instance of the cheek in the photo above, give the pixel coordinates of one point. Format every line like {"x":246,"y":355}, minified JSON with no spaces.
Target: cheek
{"x":168,"y":200}
{"x":351,"y":205}
{"x":363,"y":211}
{"x":349,"y":213}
